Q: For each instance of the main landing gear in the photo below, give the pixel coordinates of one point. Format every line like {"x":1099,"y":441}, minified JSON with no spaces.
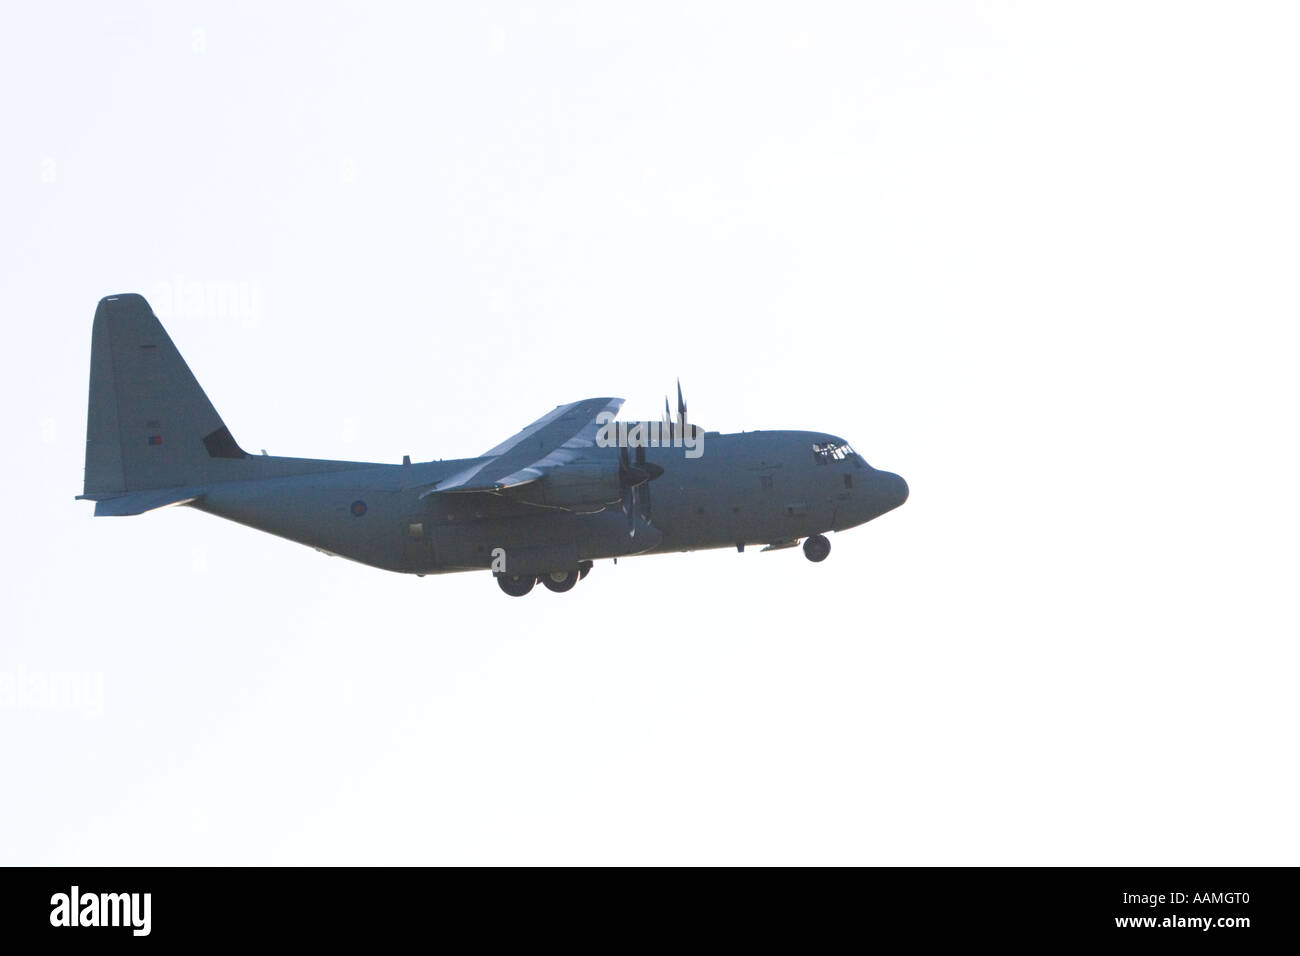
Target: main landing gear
{"x":560,"y":581}
{"x":557,"y":581}
{"x":816,"y":548}
{"x":514,"y":585}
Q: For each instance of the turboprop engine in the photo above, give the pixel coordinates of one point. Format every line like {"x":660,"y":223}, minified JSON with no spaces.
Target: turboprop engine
{"x":588,"y":487}
{"x":584,"y":487}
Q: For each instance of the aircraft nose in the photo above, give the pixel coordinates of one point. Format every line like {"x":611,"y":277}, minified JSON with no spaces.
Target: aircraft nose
{"x":894,"y":488}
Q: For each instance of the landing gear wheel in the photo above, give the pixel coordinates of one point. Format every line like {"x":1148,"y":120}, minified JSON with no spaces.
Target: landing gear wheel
{"x":560,"y":581}
{"x":514,"y":585}
{"x":816,"y":547}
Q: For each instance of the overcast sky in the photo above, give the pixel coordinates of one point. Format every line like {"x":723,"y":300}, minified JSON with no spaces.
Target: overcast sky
{"x":1040,"y":259}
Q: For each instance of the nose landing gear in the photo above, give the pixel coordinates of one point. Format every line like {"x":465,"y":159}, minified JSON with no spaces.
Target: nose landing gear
{"x":816,"y":548}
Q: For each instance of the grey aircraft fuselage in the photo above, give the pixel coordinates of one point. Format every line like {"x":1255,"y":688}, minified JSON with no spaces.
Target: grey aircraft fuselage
{"x":541,"y":506}
{"x":748,"y":488}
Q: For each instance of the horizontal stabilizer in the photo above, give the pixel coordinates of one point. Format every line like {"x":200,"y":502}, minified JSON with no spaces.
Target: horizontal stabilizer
{"x":137,"y":503}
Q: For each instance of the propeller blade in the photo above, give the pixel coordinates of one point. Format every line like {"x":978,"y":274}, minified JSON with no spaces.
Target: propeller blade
{"x":630,"y":474}
{"x":635,"y":475}
{"x":681,"y":403}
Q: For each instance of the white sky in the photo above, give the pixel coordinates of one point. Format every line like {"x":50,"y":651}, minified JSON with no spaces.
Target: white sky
{"x":1038,"y":258}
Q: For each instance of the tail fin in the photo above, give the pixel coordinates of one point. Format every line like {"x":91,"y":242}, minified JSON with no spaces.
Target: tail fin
{"x":149,"y":424}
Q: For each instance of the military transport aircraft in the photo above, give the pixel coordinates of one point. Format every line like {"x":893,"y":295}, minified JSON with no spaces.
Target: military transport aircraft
{"x":570,"y":489}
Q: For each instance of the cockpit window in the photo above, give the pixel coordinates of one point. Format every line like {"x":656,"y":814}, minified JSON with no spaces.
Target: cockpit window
{"x":826,"y":452}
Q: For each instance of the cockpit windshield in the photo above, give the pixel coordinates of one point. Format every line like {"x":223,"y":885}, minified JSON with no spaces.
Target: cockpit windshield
{"x":826,"y":452}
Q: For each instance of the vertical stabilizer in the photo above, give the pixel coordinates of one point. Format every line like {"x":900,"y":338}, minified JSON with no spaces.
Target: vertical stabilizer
{"x":149,"y":425}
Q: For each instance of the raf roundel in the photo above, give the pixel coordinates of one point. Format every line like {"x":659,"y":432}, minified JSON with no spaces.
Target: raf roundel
{"x":358,"y":508}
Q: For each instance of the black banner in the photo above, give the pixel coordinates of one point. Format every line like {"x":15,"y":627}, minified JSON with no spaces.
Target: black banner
{"x":1222,"y":907}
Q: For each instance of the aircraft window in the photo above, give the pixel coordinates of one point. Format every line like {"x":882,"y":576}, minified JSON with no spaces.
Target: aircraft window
{"x":830,"y":451}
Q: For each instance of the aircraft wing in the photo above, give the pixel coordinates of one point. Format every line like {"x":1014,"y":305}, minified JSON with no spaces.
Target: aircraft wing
{"x":555,"y":439}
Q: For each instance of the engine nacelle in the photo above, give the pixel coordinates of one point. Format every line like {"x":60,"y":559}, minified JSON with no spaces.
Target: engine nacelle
{"x":584,"y":487}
